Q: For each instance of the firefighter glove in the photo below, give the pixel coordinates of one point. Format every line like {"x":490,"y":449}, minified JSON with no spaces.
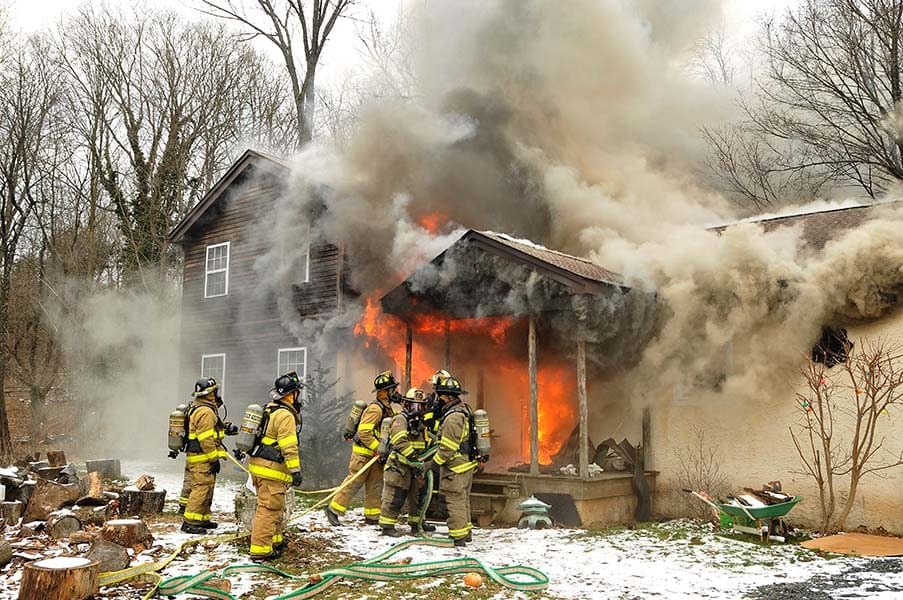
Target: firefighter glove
{"x":296,"y":479}
{"x":231,"y":428}
{"x":238,"y":454}
{"x":347,"y":436}
{"x":173,"y":454}
{"x":484,"y":458}
{"x":214,"y":468}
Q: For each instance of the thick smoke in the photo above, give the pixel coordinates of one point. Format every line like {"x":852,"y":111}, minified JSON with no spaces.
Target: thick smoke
{"x":577,"y":127}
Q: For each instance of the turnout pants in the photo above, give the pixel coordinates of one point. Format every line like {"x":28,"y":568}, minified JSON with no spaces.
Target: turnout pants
{"x":456,"y":488}
{"x":197,"y":509}
{"x":186,"y":489}
{"x":266,"y":528}
{"x":372,"y":480}
{"x":399,"y":484}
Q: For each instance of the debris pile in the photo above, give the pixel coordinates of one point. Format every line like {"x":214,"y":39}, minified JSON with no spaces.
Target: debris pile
{"x":50,"y":513}
{"x":769,"y":495}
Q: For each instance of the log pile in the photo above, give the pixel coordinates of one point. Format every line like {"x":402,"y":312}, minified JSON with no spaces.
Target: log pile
{"x":72,"y":578}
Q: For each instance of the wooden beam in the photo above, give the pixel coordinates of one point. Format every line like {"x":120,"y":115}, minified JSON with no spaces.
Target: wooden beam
{"x":582,"y":452}
{"x":448,"y":345}
{"x":534,"y":398}
{"x":481,"y":388}
{"x":647,"y":434}
{"x":408,"y":354}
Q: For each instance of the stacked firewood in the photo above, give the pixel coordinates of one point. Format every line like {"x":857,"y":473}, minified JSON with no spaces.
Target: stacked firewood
{"x":769,"y":494}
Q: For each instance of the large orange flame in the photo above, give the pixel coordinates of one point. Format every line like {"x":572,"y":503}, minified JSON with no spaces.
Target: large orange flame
{"x":507,"y":375}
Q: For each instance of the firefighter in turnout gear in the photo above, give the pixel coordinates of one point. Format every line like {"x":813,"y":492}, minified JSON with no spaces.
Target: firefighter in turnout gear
{"x":455,"y":458}
{"x":186,"y":489}
{"x":364,"y":448}
{"x":432,"y":416}
{"x":402,"y":475}
{"x":275,"y":464}
{"x":203,"y":453}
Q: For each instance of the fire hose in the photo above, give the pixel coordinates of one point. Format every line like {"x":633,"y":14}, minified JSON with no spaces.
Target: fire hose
{"x":376,"y":569}
{"x":150,"y":569}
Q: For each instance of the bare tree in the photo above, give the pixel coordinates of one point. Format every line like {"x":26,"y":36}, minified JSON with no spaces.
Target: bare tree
{"x":162,"y":105}
{"x":832,"y":90}
{"x":29,"y":95}
{"x":842,"y":414}
{"x":699,"y":469}
{"x":281,"y":22}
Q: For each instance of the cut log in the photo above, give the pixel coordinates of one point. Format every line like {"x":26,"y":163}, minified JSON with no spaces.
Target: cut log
{"x":134,"y":502}
{"x":62,"y":524}
{"x":11,"y":512}
{"x":69,"y":577}
{"x":110,"y":556}
{"x":108,"y":469}
{"x":82,"y":537}
{"x":56,"y":458}
{"x":6,"y":552}
{"x":93,"y":515}
{"x":48,"y":497}
{"x":144,"y":483}
{"x":91,"y":486}
{"x":130,"y":533}
{"x":38,"y":464}
{"x":21,"y":492}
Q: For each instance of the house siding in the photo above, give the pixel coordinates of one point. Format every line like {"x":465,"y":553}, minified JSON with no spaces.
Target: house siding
{"x":244,"y":324}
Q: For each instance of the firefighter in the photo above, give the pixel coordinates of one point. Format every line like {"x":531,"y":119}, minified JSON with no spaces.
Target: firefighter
{"x":275,"y":464}
{"x":431,"y":417}
{"x":363,"y":449}
{"x":203,"y":453}
{"x":455,"y":458}
{"x":402,"y":477}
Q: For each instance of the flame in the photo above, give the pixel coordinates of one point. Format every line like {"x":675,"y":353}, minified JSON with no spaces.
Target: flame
{"x":507,"y":375}
{"x":433,"y":222}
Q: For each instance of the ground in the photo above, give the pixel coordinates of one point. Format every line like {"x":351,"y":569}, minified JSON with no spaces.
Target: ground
{"x":675,"y":559}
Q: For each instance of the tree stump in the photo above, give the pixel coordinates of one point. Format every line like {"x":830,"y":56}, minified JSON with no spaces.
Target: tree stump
{"x":6,"y":552}
{"x":11,"y":512}
{"x":69,"y":577}
{"x":133,"y":501}
{"x":108,"y":469}
{"x":62,"y":524}
{"x":48,"y":497}
{"x":110,"y":556}
{"x":56,"y":458}
{"x":91,"y":486}
{"x":127,"y":532}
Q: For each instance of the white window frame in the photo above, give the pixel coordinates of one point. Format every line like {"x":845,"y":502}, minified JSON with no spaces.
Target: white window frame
{"x":222,"y":383}
{"x":279,"y":352}
{"x":208,"y":271}
{"x":306,"y":280}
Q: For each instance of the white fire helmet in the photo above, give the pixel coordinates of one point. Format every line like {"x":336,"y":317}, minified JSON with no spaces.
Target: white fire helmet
{"x":440,"y":374}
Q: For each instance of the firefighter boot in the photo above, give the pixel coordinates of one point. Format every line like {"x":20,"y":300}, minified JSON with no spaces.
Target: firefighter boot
{"x":371,"y":521}
{"x":332,"y":518}
{"x":195,"y":529}
{"x":460,"y":542}
{"x":427,"y":527}
{"x":210,"y":525}
{"x":390,"y":531}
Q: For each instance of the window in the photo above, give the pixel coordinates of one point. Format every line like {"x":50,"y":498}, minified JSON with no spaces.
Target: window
{"x":832,"y":347}
{"x":305,"y":266}
{"x":216,"y":281}
{"x":214,"y":365}
{"x":292,"y":359}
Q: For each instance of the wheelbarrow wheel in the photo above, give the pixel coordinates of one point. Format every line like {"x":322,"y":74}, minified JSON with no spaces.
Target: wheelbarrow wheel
{"x":778,"y":527}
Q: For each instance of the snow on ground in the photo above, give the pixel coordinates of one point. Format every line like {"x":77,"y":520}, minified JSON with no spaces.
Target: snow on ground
{"x":678,"y":559}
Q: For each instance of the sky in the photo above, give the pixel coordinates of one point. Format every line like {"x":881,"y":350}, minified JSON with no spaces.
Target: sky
{"x":341,"y":55}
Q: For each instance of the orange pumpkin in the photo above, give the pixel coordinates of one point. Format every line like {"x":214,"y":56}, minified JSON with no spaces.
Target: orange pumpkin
{"x":473,"y":580}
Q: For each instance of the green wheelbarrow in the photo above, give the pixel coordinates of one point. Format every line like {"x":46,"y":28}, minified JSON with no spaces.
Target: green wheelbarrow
{"x":765,"y":521}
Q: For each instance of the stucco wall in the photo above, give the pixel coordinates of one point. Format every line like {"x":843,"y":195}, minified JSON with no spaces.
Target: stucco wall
{"x":755,"y":447}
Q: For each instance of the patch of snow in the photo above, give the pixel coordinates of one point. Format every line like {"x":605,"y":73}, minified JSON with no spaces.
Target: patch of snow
{"x":63,"y":562}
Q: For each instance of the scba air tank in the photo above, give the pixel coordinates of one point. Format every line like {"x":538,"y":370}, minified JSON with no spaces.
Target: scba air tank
{"x":384,"y":445}
{"x":481,"y":426}
{"x":354,"y":417}
{"x":177,"y":433}
{"x":249,"y":428}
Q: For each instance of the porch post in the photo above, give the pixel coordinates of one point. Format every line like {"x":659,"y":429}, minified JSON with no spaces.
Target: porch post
{"x":582,"y":453}
{"x":534,"y":398}
{"x":408,"y":353}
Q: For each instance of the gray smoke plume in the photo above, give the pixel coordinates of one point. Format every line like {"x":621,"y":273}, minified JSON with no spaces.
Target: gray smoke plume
{"x":576,"y":126}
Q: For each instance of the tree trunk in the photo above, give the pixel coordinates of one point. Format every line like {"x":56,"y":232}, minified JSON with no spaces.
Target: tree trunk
{"x":48,"y":497}
{"x":6,"y":445}
{"x":66,"y":577}
{"x":110,"y":556}
{"x":91,"y":487}
{"x":62,"y":524}
{"x":139,"y":502}
{"x":127,"y":532}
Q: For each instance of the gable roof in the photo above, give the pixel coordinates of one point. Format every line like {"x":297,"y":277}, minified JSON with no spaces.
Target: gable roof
{"x":819,"y":227}
{"x":238,"y":168}
{"x":574,"y":265}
